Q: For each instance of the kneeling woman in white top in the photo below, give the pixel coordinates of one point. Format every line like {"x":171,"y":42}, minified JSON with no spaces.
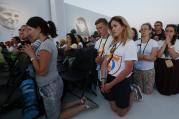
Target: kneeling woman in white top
{"x":118,"y":63}
{"x":144,"y":72}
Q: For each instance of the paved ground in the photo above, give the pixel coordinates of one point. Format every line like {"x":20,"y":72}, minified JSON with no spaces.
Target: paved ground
{"x":153,"y":106}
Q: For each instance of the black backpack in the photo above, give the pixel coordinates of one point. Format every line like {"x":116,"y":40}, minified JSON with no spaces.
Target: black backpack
{"x":10,"y":78}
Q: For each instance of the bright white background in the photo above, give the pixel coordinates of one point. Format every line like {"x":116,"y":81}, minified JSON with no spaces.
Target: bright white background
{"x":27,"y":9}
{"x":135,"y":11}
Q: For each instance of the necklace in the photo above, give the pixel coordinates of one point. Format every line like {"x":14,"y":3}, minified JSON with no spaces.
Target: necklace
{"x":144,"y":46}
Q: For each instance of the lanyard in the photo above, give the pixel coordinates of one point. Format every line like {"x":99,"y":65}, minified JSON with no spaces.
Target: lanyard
{"x":103,"y":45}
{"x":113,"y":49}
{"x":144,"y":46}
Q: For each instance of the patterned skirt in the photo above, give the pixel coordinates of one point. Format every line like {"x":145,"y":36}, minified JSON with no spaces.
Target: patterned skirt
{"x":167,"y":79}
{"x":145,"y":79}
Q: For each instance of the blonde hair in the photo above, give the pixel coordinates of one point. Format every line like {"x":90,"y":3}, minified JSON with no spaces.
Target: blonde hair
{"x":62,"y":41}
{"x":126,"y":33}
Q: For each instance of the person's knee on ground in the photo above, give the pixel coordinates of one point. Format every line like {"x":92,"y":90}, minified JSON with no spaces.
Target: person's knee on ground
{"x":119,"y":111}
{"x":122,"y":111}
{"x":113,"y":106}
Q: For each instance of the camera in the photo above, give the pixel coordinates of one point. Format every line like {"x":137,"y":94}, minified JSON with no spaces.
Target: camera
{"x":22,"y":44}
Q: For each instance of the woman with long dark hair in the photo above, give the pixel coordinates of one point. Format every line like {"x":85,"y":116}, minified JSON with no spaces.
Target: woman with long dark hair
{"x":134,"y":34}
{"x":44,"y":61}
{"x":71,"y":42}
{"x":167,"y":64}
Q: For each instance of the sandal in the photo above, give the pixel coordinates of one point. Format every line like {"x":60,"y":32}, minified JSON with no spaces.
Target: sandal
{"x":90,"y":104}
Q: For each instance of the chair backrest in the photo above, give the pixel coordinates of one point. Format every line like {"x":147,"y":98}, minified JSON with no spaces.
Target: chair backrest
{"x":79,"y":73}
{"x":81,"y":60}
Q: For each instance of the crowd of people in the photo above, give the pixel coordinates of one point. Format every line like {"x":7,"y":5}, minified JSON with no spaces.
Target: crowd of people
{"x":127,"y":65}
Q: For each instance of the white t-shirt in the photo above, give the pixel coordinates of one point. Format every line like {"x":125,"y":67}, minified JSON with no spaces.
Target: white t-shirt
{"x":122,"y":53}
{"x":175,"y":47}
{"x":80,"y":45}
{"x":100,"y":44}
{"x":74,"y":46}
{"x":145,"y":65}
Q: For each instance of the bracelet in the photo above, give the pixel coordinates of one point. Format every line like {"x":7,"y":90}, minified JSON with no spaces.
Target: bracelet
{"x":32,"y":58}
{"x":103,"y":78}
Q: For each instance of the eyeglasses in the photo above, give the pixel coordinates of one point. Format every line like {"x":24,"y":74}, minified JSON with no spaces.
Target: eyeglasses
{"x":144,"y":30}
{"x":169,"y":31}
{"x":157,"y":25}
